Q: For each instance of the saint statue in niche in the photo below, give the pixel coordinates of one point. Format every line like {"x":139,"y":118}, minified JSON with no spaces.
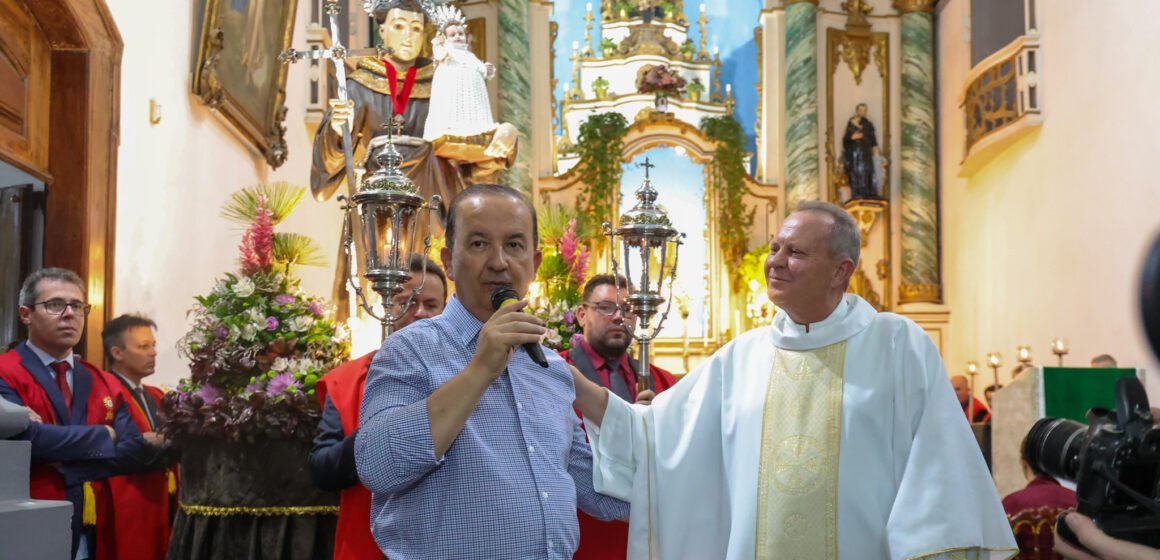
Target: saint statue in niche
{"x":861,"y":158}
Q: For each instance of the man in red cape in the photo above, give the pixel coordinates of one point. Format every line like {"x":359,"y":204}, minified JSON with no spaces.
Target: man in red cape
{"x":341,"y":391}
{"x":82,"y":431}
{"x":143,"y":503}
{"x":602,"y":356}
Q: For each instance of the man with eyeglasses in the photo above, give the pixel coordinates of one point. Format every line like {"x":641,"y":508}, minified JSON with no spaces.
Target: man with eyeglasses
{"x":81,"y":432}
{"x":602,"y":355}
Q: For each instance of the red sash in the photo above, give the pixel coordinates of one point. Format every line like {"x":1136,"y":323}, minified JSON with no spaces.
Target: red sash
{"x":46,"y":483}
{"x":141,"y":502}
{"x":344,"y":385}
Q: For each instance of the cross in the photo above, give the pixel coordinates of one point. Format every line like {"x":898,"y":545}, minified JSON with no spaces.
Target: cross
{"x":337,"y":54}
{"x":647,"y":166}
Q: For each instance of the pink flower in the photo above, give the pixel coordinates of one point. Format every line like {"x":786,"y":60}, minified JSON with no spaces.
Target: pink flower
{"x":221,"y":332}
{"x":284,"y":299}
{"x":281,"y":383}
{"x":258,"y":242}
{"x":254,"y":387}
{"x":575,"y":254}
{"x":271,"y":323}
{"x":568,"y":318}
{"x":315,"y":309}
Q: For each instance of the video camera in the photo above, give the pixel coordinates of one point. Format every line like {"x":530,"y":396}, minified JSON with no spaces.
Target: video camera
{"x":1114,"y":460}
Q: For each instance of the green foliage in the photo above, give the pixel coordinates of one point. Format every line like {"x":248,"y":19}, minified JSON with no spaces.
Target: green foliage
{"x":295,"y":249}
{"x":728,"y":177}
{"x":553,"y":222}
{"x":600,"y":144}
{"x":607,"y":46}
{"x":600,"y":83}
{"x":753,"y":265}
{"x":281,"y":199}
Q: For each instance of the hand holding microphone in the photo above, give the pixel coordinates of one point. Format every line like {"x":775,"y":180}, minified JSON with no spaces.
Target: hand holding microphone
{"x":503,"y":295}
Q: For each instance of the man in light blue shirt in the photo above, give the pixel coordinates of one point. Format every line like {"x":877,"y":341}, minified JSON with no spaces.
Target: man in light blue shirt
{"x":469,"y":448}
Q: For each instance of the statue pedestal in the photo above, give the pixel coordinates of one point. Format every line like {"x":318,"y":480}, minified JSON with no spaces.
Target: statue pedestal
{"x":29,"y":528}
{"x":1039,"y":393}
{"x":254,"y":500}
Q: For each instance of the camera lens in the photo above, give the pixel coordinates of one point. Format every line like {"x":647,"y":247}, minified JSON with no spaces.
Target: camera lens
{"x":1053,"y":446}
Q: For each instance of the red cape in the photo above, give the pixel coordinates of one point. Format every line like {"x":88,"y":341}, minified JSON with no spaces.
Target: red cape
{"x":142,"y":502}
{"x":344,"y":385}
{"x":608,"y":540}
{"x":46,"y":483}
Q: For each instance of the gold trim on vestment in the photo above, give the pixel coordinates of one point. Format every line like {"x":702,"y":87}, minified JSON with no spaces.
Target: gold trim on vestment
{"x":797,"y":484}
{"x":371,"y":73}
{"x":963,"y":553}
{"x":222,"y":511}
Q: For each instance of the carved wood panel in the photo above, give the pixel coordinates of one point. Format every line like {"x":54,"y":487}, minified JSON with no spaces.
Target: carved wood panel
{"x":24,"y":84}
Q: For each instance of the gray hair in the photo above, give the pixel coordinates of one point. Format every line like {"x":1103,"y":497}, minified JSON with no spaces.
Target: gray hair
{"x":28,"y":291}
{"x":845,"y":239}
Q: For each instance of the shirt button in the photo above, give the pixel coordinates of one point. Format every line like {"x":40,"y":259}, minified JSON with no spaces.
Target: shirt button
{"x":544,"y":495}
{"x":519,"y":406}
{"x":531,"y":449}
{"x":551,"y":544}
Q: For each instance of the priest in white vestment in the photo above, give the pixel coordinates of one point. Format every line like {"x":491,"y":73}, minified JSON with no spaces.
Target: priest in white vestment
{"x":833,"y":433}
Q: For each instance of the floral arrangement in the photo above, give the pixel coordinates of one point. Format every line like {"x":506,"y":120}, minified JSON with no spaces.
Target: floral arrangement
{"x":561,"y":276}
{"x":258,"y":345}
{"x":660,"y":79}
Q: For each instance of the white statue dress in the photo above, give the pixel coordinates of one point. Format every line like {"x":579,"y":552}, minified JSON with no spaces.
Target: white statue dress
{"x":459,"y":102}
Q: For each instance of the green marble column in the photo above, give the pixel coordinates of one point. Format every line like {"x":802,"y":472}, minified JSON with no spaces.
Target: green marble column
{"x":515,"y":90}
{"x":801,"y":103}
{"x":921,"y":280}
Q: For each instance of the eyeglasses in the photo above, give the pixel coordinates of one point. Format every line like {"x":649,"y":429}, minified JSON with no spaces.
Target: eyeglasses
{"x":57,"y":306}
{"x":608,"y":308}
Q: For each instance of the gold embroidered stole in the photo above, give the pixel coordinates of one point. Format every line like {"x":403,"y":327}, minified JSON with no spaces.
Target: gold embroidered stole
{"x":797,"y":485}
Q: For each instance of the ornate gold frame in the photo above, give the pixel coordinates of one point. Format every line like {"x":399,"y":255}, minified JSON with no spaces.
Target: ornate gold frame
{"x":265,"y":131}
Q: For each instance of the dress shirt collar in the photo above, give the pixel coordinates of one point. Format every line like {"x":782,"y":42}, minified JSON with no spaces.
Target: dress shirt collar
{"x":465,"y":325}
{"x":46,"y":359}
{"x":125,"y":378}
{"x":598,"y":361}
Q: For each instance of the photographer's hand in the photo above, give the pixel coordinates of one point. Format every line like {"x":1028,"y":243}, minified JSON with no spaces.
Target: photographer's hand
{"x":1101,"y":545}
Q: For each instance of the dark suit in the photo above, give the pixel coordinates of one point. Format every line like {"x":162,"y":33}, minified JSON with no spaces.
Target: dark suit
{"x":72,"y":447}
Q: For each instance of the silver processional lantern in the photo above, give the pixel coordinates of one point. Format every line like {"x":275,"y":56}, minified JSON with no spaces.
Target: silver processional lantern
{"x":646,"y":238}
{"x":388,"y":206}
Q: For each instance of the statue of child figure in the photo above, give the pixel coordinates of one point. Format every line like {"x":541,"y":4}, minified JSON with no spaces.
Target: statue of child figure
{"x":459,"y":103}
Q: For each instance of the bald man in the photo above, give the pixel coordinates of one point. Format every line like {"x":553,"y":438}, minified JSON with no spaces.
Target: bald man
{"x":963,"y":392}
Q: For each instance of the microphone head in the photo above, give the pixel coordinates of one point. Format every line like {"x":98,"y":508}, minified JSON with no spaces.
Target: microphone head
{"x":501,"y":294}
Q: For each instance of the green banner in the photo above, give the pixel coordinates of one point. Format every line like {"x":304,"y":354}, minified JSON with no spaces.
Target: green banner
{"x":1070,"y":392}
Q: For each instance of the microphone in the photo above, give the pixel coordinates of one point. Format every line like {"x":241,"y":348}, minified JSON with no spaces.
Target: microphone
{"x":503,"y":295}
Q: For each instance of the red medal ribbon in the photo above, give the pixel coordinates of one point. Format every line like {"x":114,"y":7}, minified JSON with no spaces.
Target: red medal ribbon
{"x":399,"y":99}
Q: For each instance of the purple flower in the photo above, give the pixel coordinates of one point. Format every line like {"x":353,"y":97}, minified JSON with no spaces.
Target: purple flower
{"x":254,"y":387}
{"x":284,"y":299}
{"x":568,"y":318}
{"x":280,"y":383}
{"x":271,"y":323}
{"x":208,"y":393}
{"x":221,"y":332}
{"x":574,"y":342}
{"x":316,"y":309}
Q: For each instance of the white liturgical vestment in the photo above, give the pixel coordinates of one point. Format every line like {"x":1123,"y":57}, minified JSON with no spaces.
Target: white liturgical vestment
{"x":842,"y":439}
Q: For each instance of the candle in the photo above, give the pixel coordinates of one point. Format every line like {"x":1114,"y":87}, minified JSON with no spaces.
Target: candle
{"x":1024,"y":354}
{"x":728,"y":89}
{"x":716,"y":50}
{"x":590,"y":7}
{"x":994,"y":359}
{"x":972,"y":368}
{"x":736,"y":323}
{"x":1059,"y":346}
{"x":575,"y":45}
{"x":702,"y":8}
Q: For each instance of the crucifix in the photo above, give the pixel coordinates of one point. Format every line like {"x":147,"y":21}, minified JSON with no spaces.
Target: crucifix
{"x":647,"y":167}
{"x":337,"y":54}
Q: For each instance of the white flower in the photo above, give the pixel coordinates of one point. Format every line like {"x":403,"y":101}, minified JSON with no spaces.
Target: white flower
{"x":281,"y":365}
{"x":197,"y":336}
{"x":249,"y":332}
{"x":256,"y":316}
{"x":234,"y":332}
{"x":244,"y":287}
{"x":301,"y":323}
